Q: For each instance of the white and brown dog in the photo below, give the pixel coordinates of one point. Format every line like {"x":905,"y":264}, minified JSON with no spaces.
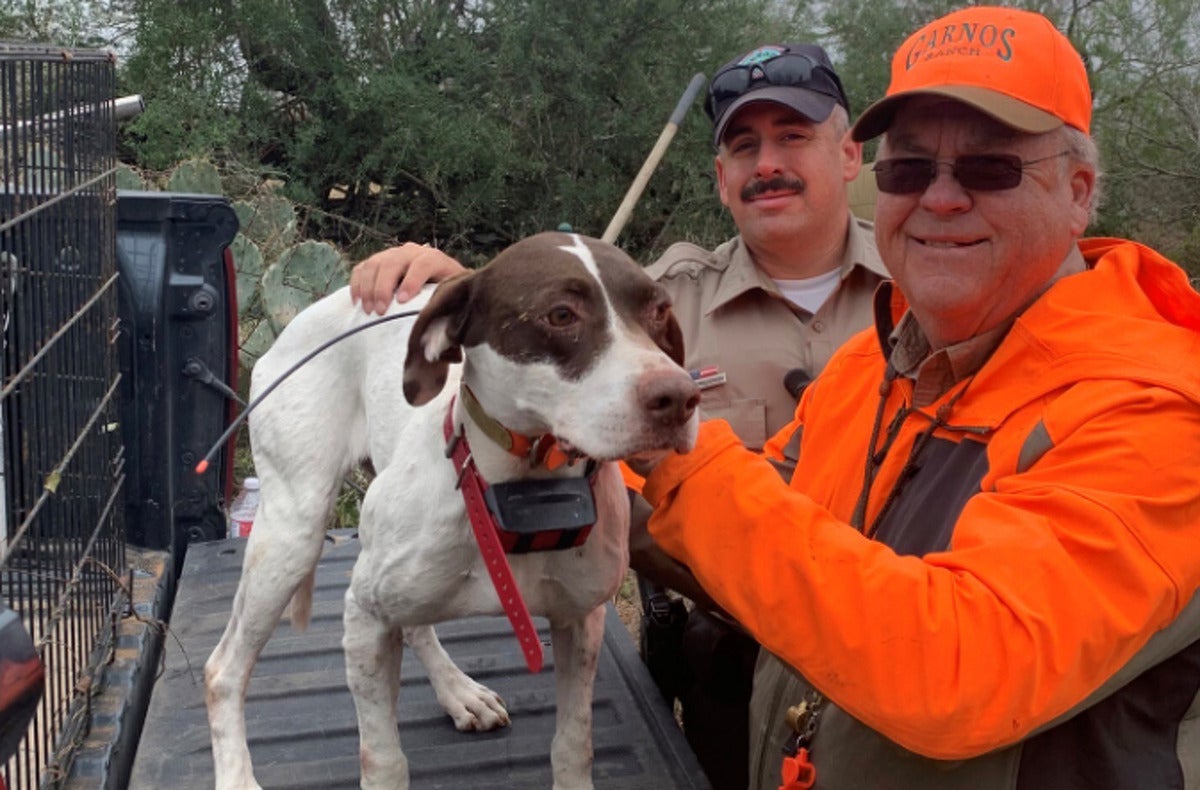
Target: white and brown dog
{"x":562,"y":339}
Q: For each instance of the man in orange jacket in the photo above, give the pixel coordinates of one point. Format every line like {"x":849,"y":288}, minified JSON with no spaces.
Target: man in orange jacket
{"x":985,"y":565}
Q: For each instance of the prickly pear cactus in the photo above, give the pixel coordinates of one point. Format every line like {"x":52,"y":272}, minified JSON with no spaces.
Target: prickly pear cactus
{"x":249,"y":262}
{"x":303,"y":274}
{"x":254,"y":338}
{"x":195,"y":175}
{"x":270,"y":293}
{"x":269,"y":221}
{"x":129,"y":178}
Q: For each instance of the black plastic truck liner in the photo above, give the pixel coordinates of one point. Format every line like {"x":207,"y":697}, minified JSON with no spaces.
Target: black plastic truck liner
{"x":300,"y":716}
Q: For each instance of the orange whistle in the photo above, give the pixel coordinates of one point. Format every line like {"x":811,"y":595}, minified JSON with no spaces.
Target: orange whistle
{"x":798,"y":772}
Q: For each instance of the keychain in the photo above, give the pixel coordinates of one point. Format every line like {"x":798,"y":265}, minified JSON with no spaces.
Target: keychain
{"x":798,"y":771}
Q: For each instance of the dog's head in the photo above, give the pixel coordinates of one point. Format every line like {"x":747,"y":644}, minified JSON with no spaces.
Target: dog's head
{"x":563,"y":335}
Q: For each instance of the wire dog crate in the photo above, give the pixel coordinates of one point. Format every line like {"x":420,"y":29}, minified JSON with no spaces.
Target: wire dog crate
{"x":62,"y":557}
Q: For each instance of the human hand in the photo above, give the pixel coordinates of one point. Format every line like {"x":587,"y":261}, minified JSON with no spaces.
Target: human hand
{"x":649,"y":560}
{"x":398,"y":273}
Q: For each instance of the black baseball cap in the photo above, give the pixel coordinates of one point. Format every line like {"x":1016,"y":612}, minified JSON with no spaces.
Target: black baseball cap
{"x":798,"y":76}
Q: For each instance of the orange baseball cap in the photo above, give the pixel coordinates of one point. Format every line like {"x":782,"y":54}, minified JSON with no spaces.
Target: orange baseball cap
{"x":1013,"y":65}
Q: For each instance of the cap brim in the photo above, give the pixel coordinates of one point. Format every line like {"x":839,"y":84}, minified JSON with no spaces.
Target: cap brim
{"x":876,"y":119}
{"x":812,"y":105}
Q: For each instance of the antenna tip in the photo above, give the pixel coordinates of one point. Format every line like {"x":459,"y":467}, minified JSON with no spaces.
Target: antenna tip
{"x":202,"y":467}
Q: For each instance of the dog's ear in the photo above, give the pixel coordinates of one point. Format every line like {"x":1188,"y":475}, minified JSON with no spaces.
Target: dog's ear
{"x":671,"y":340}
{"x":436,"y":340}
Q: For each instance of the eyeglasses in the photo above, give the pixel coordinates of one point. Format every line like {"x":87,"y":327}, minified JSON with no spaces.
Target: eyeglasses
{"x":979,"y":172}
{"x":789,"y":69}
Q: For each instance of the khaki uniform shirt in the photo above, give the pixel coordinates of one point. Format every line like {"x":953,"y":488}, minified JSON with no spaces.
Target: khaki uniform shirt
{"x":735,"y":321}
{"x":742,"y":337}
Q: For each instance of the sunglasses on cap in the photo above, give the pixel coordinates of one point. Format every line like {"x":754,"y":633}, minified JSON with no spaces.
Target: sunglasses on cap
{"x":979,"y":172}
{"x":786,"y":70}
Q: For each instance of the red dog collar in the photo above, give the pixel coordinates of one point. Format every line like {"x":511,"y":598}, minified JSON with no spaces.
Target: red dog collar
{"x":489,"y":545}
{"x":495,"y":542}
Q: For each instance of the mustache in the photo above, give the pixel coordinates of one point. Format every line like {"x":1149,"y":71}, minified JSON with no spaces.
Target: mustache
{"x":775,"y":184}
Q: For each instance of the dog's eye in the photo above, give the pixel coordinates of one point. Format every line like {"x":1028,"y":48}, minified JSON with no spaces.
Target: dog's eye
{"x":560,"y":317}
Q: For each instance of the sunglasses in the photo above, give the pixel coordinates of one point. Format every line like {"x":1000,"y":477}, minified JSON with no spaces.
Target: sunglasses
{"x":979,"y":172}
{"x":789,"y":70}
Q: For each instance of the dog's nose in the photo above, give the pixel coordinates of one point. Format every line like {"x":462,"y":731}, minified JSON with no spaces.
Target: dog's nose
{"x":668,"y":396}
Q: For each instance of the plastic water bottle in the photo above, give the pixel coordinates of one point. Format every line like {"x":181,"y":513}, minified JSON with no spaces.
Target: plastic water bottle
{"x":243,"y":509}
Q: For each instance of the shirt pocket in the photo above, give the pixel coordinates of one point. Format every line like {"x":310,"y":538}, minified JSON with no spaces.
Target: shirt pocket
{"x":747,"y":417}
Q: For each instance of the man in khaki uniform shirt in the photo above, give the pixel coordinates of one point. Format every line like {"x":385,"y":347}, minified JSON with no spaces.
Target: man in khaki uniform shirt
{"x":735,"y":319}
{"x":761,"y":313}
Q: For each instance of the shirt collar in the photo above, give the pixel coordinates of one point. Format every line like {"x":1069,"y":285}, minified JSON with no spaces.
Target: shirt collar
{"x":742,"y":276}
{"x":933,"y":373}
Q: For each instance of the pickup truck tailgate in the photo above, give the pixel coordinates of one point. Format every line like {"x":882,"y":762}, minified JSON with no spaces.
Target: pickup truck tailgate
{"x":300,"y":716}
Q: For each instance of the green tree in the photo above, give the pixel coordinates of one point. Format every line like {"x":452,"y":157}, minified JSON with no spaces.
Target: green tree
{"x":471,"y":124}
{"x":64,"y":23}
{"x":1143,"y":58}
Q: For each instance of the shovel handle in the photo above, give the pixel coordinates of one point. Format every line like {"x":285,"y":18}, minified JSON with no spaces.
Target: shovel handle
{"x":656,"y":154}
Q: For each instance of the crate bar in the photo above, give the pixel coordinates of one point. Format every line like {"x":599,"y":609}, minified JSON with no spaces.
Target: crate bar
{"x":63,"y":469}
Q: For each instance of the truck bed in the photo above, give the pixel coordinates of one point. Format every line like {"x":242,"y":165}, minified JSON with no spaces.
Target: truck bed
{"x":300,"y":715}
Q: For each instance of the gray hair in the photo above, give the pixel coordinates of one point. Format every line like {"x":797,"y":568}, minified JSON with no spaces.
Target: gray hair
{"x":1082,"y":148}
{"x":841,"y":121}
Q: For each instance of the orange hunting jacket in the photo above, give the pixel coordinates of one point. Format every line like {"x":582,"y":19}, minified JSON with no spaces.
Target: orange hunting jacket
{"x":1024,"y":614}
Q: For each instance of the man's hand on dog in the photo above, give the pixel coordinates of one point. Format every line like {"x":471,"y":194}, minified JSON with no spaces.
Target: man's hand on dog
{"x":398,"y":273}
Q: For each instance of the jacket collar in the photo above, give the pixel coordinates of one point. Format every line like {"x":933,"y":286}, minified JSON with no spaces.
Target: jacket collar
{"x":1139,"y":303}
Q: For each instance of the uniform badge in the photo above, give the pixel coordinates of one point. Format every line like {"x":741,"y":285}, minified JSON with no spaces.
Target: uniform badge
{"x":707,"y":377}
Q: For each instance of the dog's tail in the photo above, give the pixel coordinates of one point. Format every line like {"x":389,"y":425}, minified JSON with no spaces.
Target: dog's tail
{"x":299,"y":609}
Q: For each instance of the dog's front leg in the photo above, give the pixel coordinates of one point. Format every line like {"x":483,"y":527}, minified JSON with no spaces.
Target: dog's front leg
{"x":473,"y":706}
{"x":576,"y":654}
{"x":373,"y":654}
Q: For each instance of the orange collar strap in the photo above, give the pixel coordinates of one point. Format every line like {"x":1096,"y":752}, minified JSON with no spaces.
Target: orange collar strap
{"x":543,"y":449}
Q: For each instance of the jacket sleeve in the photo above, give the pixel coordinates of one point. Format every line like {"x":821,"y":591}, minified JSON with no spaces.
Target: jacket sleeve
{"x":633,"y":481}
{"x":1055,"y":576}
{"x":784,"y":446}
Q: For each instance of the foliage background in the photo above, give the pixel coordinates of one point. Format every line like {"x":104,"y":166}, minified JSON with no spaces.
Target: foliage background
{"x":339,"y":127}
{"x":470,"y":123}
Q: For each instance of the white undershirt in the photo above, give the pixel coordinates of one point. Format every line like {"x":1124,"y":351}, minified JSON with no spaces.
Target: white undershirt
{"x":811,"y":292}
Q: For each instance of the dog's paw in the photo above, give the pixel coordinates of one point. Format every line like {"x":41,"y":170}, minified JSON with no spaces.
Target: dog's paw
{"x":473,"y":706}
